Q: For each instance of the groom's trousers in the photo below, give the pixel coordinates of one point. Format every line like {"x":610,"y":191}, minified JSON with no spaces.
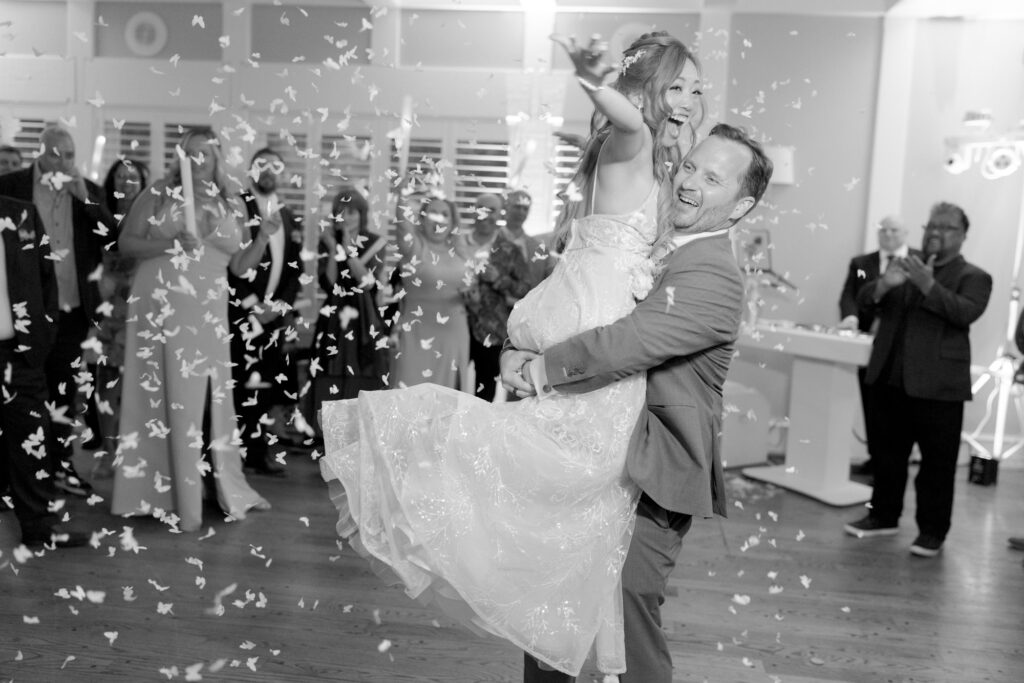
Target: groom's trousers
{"x":657,"y":540}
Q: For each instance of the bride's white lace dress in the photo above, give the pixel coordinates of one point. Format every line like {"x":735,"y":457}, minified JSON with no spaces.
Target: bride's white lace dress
{"x":513,"y":517}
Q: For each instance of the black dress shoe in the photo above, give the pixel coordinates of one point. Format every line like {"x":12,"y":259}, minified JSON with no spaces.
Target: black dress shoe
{"x":56,"y":535}
{"x":1017,"y":543}
{"x":68,"y":481}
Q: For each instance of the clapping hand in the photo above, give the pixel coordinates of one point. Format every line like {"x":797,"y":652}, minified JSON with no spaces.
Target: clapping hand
{"x":894,"y":276}
{"x":922,"y":274}
{"x":589,"y":61}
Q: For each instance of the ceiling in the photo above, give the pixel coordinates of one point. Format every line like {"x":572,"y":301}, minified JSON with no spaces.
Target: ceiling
{"x":1010,"y":9}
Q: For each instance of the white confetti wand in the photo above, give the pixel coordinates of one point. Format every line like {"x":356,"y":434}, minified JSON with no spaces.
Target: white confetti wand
{"x":404,"y":135}
{"x":516,"y":179}
{"x":186,"y":190}
{"x":97,"y":156}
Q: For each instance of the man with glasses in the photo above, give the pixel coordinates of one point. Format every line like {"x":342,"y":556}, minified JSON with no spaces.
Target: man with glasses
{"x":78,"y":229}
{"x":260,"y":313}
{"x":920,"y":375}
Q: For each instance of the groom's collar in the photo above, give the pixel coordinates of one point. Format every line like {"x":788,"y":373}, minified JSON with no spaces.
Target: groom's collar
{"x":681,"y":239}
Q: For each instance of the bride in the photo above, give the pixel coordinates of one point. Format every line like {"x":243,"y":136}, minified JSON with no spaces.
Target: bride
{"x":516,"y":517}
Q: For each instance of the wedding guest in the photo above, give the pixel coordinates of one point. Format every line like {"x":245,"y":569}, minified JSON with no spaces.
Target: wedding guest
{"x":500,"y":278}
{"x":79,"y":227}
{"x":10,"y":159}
{"x":26,"y":277}
{"x":261,"y":315}
{"x":538,"y":259}
{"x":919,"y":376}
{"x":433,"y":340}
{"x":104,"y":352}
{"x":178,"y":403}
{"x":350,"y":344}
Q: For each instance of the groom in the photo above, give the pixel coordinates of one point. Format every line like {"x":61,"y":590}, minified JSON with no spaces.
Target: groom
{"x":682,"y":334}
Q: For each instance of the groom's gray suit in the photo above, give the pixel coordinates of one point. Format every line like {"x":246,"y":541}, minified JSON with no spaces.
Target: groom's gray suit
{"x":682,"y":334}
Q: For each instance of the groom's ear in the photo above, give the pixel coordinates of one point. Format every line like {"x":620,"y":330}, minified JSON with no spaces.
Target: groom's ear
{"x":742,"y":208}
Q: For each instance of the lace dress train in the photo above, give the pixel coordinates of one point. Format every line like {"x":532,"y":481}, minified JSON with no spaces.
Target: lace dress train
{"x":514,"y":518}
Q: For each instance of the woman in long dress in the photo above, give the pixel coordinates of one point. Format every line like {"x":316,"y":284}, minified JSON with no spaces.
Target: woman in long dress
{"x":516,"y":517}
{"x":350,"y":343}
{"x":433,"y":328}
{"x":105,"y":356}
{"x":177,"y":352}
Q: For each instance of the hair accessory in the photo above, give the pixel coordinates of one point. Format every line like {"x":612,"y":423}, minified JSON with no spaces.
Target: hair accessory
{"x":630,"y":60}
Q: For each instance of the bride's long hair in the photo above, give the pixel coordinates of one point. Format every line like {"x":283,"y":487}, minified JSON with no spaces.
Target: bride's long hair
{"x":650,"y":65}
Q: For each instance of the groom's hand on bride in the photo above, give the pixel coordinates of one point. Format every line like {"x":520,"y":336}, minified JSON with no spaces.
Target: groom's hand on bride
{"x":515,"y":381}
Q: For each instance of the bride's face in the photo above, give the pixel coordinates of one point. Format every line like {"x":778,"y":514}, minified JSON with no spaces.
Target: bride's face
{"x":683,"y":98}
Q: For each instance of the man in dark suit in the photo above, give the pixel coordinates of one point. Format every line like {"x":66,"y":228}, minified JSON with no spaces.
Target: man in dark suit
{"x":260,"y":307}
{"x":920,"y":375}
{"x":682,"y":334}
{"x":28,"y":310}
{"x":892,"y":238}
{"x":76,"y":222}
{"x":892,"y":244}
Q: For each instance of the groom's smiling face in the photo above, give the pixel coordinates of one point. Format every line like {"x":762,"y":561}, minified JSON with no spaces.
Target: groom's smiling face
{"x":709,"y":186}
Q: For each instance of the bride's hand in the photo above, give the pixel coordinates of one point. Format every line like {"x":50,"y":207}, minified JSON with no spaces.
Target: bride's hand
{"x":589,"y":61}
{"x":512,"y":362}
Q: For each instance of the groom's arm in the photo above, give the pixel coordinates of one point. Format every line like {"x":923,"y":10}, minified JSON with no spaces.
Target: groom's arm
{"x":696,"y":306}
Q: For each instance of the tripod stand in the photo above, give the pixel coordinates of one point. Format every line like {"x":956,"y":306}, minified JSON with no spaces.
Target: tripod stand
{"x":1001,"y":373}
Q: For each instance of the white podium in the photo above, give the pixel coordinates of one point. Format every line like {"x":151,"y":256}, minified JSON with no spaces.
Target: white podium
{"x":823,"y":399}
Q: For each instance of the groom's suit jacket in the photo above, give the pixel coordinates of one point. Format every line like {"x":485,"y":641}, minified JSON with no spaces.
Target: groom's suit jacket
{"x":682,"y":334}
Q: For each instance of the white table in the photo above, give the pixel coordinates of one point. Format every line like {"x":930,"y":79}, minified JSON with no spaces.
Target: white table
{"x":823,"y":400}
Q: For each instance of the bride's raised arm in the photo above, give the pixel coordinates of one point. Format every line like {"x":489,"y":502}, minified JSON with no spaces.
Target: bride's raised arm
{"x":629,"y":133}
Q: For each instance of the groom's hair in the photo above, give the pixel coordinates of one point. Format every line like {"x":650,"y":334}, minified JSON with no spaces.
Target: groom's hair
{"x":759,"y":172}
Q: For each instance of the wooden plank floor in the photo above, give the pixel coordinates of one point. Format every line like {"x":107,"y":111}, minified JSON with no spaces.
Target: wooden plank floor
{"x":774,"y":593}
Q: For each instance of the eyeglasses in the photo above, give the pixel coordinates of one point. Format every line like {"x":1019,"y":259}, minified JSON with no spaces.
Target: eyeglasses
{"x":943,"y":227}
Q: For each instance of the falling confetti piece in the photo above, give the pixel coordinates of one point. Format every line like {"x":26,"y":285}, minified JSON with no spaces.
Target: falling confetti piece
{"x":111,"y":636}
{"x":806,"y":581}
{"x":384,"y":646}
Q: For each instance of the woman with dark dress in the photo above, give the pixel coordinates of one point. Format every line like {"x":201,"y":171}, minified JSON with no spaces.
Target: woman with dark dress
{"x":350,"y":345}
{"x":105,"y":353}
